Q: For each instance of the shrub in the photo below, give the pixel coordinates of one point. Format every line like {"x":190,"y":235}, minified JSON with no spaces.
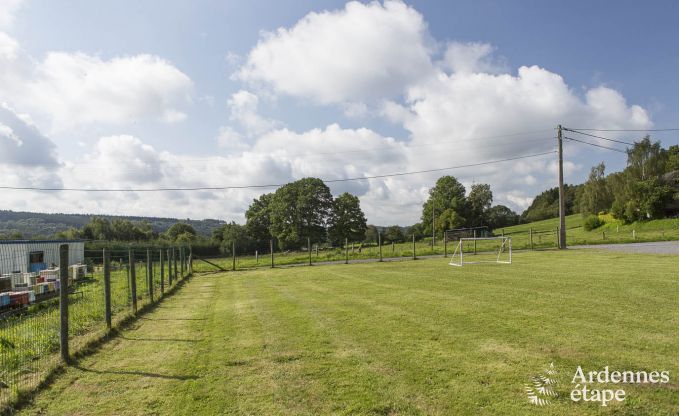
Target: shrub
{"x":592,"y":222}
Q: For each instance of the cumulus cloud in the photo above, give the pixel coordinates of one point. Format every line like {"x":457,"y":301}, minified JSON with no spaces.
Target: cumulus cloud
{"x":471,"y":57}
{"x":364,"y":51}
{"x":243,"y":107}
{"x":8,"y":9}
{"x":76,"y":88}
{"x":21,"y":143}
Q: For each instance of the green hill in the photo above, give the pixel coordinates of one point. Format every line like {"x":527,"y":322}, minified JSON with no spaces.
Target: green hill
{"x":42,"y":225}
{"x":613,"y":231}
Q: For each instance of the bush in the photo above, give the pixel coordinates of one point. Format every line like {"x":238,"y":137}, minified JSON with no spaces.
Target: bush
{"x":592,"y":222}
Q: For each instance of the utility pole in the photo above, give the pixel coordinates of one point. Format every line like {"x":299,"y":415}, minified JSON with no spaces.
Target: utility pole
{"x":562,"y":196}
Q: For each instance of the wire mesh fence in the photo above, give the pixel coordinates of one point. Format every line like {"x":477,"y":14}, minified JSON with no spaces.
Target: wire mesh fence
{"x":100,"y":296}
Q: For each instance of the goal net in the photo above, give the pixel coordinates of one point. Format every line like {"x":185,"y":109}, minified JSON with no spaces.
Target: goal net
{"x":482,"y":250}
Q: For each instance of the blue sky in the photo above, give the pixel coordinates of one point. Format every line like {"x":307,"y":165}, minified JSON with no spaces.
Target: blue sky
{"x":174,"y":93}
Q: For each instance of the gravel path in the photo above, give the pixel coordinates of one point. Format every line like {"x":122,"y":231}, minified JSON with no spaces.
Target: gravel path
{"x":660,"y":247}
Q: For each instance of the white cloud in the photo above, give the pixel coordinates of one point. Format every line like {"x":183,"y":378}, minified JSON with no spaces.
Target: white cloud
{"x":123,"y":161}
{"x":364,"y":51}
{"x":471,"y":57}
{"x":8,"y":9}
{"x":21,"y":143}
{"x":9,"y":48}
{"x":243,"y":107}
{"x":74,"y":89}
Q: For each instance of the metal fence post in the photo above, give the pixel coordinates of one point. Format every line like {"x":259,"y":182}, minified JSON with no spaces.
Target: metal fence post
{"x":63,"y":302}
{"x":162,"y":271}
{"x":107,"y":288}
{"x":414,"y":257}
{"x":133,"y":282}
{"x":271,"y":248}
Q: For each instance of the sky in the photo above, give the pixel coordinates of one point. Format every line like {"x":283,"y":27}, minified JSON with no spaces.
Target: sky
{"x":176,"y":94}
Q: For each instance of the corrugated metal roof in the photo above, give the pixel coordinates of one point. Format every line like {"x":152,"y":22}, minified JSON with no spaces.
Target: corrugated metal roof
{"x":40,"y":241}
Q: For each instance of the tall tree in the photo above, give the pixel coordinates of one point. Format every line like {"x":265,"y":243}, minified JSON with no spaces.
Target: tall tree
{"x":258,"y":220}
{"x":394,"y":234}
{"x":371,"y":233}
{"x":299,"y":210}
{"x":181,"y":231}
{"x":347,"y":220}
{"x":447,"y":194}
{"x":596,"y":195}
{"x":501,"y":216}
{"x":479,"y":200}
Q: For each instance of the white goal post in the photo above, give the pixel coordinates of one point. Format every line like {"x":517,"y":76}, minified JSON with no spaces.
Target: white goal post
{"x":493,"y":250}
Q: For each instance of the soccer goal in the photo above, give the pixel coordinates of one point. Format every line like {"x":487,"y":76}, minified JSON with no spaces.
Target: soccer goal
{"x":482,"y":250}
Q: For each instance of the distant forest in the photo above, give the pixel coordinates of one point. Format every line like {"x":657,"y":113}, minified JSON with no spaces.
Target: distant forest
{"x":32,"y":225}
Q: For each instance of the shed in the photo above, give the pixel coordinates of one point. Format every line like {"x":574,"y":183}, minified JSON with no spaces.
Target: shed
{"x":24,"y":256}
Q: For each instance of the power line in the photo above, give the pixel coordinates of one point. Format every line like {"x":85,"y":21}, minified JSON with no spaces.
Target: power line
{"x":599,"y":137}
{"x":596,"y":145}
{"x":221,"y":188}
{"x":642,"y":130}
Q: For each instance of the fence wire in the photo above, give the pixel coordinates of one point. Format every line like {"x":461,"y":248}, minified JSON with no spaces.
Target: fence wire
{"x":30,"y":310}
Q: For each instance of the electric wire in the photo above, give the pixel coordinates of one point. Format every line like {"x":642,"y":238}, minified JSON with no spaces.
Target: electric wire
{"x":221,"y":188}
{"x":595,"y":145}
{"x":599,"y":137}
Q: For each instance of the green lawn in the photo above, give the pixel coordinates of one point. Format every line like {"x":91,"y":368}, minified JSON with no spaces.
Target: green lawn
{"x":389,"y":338}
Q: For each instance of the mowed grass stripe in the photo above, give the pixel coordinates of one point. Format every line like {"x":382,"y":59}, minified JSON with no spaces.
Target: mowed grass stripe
{"x":391,"y":338}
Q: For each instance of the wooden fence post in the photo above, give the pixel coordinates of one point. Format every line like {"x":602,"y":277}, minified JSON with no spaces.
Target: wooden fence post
{"x":190,"y":260}
{"x":414,"y":256}
{"x":557,"y":238}
{"x":162,"y":271}
{"x":133,"y":281}
{"x":379,"y":242}
{"x":174,"y":260}
{"x":233,"y":255}
{"x":530,"y":237}
{"x":107,"y":288}
{"x":445,"y":245}
{"x":182,"y":260}
{"x":63,"y":302}
{"x":503,"y":233}
{"x":346,"y":251}
{"x":169,"y":268}
{"x":149,"y":273}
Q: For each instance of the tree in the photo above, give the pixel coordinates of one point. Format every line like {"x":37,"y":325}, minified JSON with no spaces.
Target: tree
{"x":501,"y":216}
{"x":232,"y":233}
{"x":97,"y":229}
{"x":478,"y":202}
{"x":181,"y":231}
{"x":596,"y":195}
{"x":347,"y":220}
{"x":447,"y":194}
{"x":416,"y":230}
{"x":258,"y":220}
{"x":300,"y":210}
{"x":371,"y":234}
{"x":646,"y":159}
{"x":672,"y":158}
{"x":394,"y":234}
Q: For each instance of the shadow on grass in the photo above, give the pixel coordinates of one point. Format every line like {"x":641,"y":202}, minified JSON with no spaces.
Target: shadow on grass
{"x":137,"y":373}
{"x":93,"y":346}
{"x":160,"y":339}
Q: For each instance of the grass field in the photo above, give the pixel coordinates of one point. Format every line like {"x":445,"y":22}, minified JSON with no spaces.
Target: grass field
{"x":389,"y":338}
{"x":544,"y":237}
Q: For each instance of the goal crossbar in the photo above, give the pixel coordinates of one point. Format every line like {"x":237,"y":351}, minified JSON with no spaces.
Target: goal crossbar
{"x":505,"y":246}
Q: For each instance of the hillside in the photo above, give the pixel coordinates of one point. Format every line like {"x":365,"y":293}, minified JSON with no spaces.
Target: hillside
{"x":613,"y":231}
{"x":35,"y":224}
